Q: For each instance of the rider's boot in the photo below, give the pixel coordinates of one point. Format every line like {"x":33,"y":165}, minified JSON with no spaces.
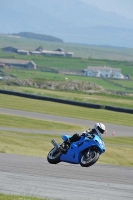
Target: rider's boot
{"x":66,"y":146}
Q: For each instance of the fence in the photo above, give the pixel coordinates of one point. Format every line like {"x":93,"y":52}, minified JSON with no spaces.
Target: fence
{"x":76,"y":103}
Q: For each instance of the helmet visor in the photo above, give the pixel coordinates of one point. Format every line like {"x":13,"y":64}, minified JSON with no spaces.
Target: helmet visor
{"x":101,"y":130}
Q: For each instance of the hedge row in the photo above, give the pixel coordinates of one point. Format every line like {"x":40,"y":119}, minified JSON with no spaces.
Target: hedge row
{"x":83,"y":104}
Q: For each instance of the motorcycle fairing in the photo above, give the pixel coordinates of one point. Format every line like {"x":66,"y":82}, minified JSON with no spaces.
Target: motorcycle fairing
{"x":75,"y":150}
{"x":66,"y":137}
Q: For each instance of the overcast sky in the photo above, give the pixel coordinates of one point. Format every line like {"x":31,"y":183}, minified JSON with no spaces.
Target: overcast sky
{"x":122,"y":7}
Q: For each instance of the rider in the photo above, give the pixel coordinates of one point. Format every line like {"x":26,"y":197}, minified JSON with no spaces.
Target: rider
{"x":98,"y":129}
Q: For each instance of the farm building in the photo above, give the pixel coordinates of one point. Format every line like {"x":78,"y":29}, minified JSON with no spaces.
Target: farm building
{"x":18,"y":63}
{"x":53,"y":53}
{"x":39,"y":51}
{"x":66,"y":54}
{"x":9,"y":50}
{"x":31,"y":65}
{"x":22,"y":52}
{"x":35,"y":53}
{"x":48,"y":53}
{"x":58,"y":52}
{"x":2,"y":65}
{"x":60,"y":49}
{"x":103,"y":71}
{"x":40,"y":48}
{"x":14,"y":50}
{"x":69,"y":54}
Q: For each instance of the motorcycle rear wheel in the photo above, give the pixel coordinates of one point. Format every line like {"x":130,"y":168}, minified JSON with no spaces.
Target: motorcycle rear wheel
{"x":53,"y":156}
{"x":88,"y":160}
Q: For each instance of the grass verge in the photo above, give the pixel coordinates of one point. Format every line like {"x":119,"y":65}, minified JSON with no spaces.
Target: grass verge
{"x":16,"y":197}
{"x":24,"y":122}
{"x":19,"y":103}
{"x":97,"y":98}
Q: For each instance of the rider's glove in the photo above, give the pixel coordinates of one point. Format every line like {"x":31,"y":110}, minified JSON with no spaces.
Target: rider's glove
{"x":84,"y":134}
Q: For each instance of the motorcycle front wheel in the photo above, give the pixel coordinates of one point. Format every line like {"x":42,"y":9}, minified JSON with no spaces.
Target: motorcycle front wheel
{"x":53,"y":156}
{"x":89,"y":159}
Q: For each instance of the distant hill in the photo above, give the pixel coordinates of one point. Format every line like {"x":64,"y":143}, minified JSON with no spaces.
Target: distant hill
{"x":38,"y":36}
{"x":71,"y":20}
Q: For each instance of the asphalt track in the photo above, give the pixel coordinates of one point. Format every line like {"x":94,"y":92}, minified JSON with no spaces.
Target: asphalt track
{"x":34,"y":176}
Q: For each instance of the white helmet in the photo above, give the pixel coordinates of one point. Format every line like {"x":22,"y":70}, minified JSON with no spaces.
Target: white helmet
{"x":100,"y":128}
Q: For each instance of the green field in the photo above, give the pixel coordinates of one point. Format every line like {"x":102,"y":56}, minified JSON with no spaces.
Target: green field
{"x":72,"y":63}
{"x":115,"y":57}
{"x":45,"y":64}
{"x":80,"y":50}
{"x":40,"y":77}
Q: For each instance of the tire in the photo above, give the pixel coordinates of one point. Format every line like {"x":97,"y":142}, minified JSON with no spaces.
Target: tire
{"x":53,"y":156}
{"x":87,"y":161}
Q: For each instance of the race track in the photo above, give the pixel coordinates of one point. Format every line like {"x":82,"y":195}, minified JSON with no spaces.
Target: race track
{"x":119,"y":130}
{"x":34,"y":176}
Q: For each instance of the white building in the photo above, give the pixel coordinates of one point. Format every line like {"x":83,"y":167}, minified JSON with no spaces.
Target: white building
{"x":53,"y":53}
{"x":58,"y":52}
{"x":22,"y":52}
{"x":103,"y":71}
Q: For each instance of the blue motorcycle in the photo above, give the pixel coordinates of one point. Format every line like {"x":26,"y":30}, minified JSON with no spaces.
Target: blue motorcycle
{"x":85,"y":151}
